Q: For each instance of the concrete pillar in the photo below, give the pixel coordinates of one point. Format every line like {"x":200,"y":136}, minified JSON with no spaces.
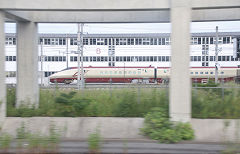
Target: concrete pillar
{"x":27,"y":65}
{"x":180,"y":84}
{"x":2,"y":70}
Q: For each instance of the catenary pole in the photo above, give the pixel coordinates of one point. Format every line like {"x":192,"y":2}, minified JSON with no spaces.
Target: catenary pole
{"x":41,"y":63}
{"x":82,"y":71}
{"x":78,"y":59}
{"x":80,"y":53}
{"x":216,"y":56}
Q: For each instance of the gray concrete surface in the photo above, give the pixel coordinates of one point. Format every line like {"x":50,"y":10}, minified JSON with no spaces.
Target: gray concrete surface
{"x":27,"y":92}
{"x":206,"y":130}
{"x":2,"y":70}
{"x":131,"y":146}
{"x":180,"y":99}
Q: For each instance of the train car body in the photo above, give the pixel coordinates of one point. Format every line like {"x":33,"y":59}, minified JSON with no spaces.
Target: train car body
{"x":143,"y":74}
{"x":202,"y":74}
{"x":107,"y":75}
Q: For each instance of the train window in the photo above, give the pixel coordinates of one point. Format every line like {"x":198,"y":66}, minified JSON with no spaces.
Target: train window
{"x":136,"y":58}
{"x":117,"y":58}
{"x":120,"y":58}
{"x":201,"y":72}
{"x":144,"y":58}
{"x":98,"y":58}
{"x":115,"y":72}
{"x":52,"y":58}
{"x":167,"y":58}
{"x":206,"y":72}
{"x":129,"y":72}
{"x":128,"y":58}
{"x":154,"y":58}
{"x":139,"y":72}
{"x":223,"y":58}
{"x":163,"y":58}
{"x":6,"y":58}
{"x":222,"y":72}
{"x":206,"y":58}
{"x":228,"y":40}
{"x":110,"y":72}
{"x":56,"y":58}
{"x":228,"y":58}
{"x":207,"y":64}
{"x":191,"y":58}
{"x":159,"y":58}
{"x":60,"y":58}
{"x":94,"y":58}
{"x":124,"y":58}
{"x":191,"y":72}
{"x":9,"y":58}
{"x":220,"y":40}
{"x":147,"y":58}
{"x":75,"y":58}
{"x":199,"y":58}
{"x":219,"y":58}
{"x":134,"y":72}
{"x":211,"y":58}
{"x":211,"y":72}
{"x":105,"y":58}
{"x":120,"y":72}
{"x":151,"y":58}
{"x":64,"y":58}
{"x":203,"y":58}
{"x":102,"y":58}
{"x":14,"y":58}
{"x":203,"y":64}
{"x":195,"y":58}
{"x":196,"y":72}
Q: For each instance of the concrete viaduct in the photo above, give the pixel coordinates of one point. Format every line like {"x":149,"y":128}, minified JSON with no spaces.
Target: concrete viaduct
{"x":28,"y":13}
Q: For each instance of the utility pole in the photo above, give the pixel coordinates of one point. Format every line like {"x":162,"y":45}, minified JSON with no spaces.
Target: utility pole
{"x":80,"y":51}
{"x":67,"y":49}
{"x":41,"y":63}
{"x":216,"y":56}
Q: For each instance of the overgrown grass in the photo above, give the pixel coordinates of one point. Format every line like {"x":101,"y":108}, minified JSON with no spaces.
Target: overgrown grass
{"x":95,"y":103}
{"x":206,"y":103}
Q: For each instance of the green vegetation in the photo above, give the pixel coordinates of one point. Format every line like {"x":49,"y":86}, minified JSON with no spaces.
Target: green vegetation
{"x":95,"y":103}
{"x":94,"y":140}
{"x":206,"y":103}
{"x":5,"y":141}
{"x":158,"y":127}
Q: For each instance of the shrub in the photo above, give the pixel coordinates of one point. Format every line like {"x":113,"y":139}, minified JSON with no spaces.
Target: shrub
{"x":5,"y":141}
{"x":158,"y":127}
{"x":94,"y":141}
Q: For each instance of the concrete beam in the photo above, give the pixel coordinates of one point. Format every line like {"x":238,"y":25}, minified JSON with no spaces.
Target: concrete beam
{"x":95,"y":5}
{"x":125,"y":16}
{"x":102,"y":16}
{"x":27,"y":65}
{"x":18,"y":16}
{"x":180,"y":85}
{"x":2,"y":70}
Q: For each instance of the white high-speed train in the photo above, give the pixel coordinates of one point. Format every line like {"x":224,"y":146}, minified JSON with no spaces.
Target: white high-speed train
{"x":141,"y":74}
